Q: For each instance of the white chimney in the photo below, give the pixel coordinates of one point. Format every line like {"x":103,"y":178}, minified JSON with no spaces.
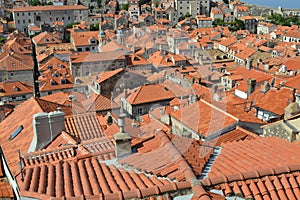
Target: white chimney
{"x":46,"y":127}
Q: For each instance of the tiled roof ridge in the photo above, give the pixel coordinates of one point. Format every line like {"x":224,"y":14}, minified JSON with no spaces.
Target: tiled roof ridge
{"x":250,"y":175}
{"x":246,"y":131}
{"x":14,"y":58}
{"x":46,"y":151}
{"x":109,"y":172}
{"x":38,"y":101}
{"x":183,"y":164}
{"x":135,"y":95}
{"x":68,"y":137}
{"x":220,"y":110}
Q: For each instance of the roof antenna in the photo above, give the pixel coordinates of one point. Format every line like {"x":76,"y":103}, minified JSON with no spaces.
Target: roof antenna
{"x":20,"y":165}
{"x":36,"y":74}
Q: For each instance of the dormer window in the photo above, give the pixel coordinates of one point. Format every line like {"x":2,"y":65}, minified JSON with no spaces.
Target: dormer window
{"x":52,"y":82}
{"x":50,"y":66}
{"x":16,"y":89}
{"x":93,"y":41}
{"x":63,"y":81}
{"x":61,"y":66}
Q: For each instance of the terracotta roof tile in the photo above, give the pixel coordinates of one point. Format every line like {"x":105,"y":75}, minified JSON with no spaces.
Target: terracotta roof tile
{"x":5,"y":190}
{"x":23,"y":140}
{"x":42,"y":8}
{"x":165,"y":59}
{"x":113,"y":46}
{"x":293,"y":82}
{"x":83,"y":38}
{"x":280,"y":99}
{"x":245,"y":53}
{"x":11,"y":88}
{"x":84,"y":126}
{"x":45,"y":38}
{"x":176,"y":155}
{"x":96,"y":57}
{"x":149,"y":94}
{"x":88,"y":178}
{"x":54,"y":63}
{"x":99,"y":103}
{"x":235,"y":135}
{"x":201,"y":115}
{"x":281,"y":185}
{"x":252,"y":156}
{"x":15,"y":62}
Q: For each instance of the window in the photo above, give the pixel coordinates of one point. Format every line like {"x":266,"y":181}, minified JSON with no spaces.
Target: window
{"x":140,"y":111}
{"x":18,"y":14}
{"x":15,"y":133}
{"x":16,"y":89}
{"x":69,"y":18}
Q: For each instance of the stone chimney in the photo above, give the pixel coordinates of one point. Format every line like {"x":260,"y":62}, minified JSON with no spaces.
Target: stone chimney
{"x":266,"y":87}
{"x":46,"y":127}
{"x":249,"y":63}
{"x":122,"y":139}
{"x":291,"y":110}
{"x":251,"y":85}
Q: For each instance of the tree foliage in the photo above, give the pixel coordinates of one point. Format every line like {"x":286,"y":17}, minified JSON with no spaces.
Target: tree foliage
{"x":182,"y":17}
{"x":2,"y":40}
{"x":94,"y":27}
{"x":283,"y":20}
{"x":35,"y":2}
{"x":125,"y":7}
{"x":233,"y":26}
{"x":71,"y":25}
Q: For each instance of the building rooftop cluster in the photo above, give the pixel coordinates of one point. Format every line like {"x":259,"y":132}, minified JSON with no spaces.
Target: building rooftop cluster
{"x":135,"y":99}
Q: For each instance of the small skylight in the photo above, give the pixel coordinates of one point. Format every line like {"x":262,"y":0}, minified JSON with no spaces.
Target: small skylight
{"x":15,"y":133}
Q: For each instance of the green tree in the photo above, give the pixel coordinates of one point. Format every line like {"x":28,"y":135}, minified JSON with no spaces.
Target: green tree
{"x":71,"y":25}
{"x":219,"y":22}
{"x":35,"y":2}
{"x":283,"y":20}
{"x":99,"y":2}
{"x":187,"y":15}
{"x":240,"y":24}
{"x":94,"y":27}
{"x":2,"y":40}
{"x":124,"y":7}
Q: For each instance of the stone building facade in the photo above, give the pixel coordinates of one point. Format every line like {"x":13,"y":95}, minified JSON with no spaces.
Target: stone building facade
{"x":200,"y":7}
{"x":38,"y":15}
